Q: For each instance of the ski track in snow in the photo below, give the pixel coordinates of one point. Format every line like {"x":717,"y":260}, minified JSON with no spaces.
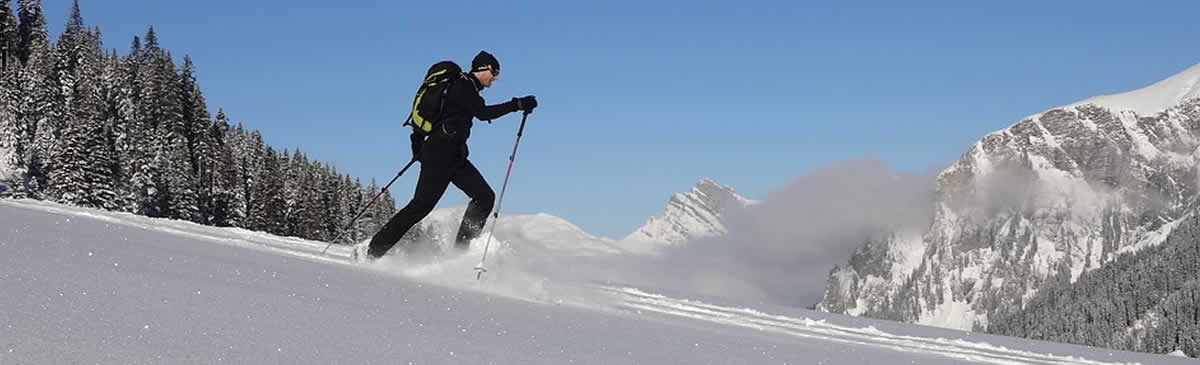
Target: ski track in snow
{"x":515,"y":283}
{"x":637,"y":301}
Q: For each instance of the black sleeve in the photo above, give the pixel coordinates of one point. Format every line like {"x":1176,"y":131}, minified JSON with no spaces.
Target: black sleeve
{"x":474,"y":104}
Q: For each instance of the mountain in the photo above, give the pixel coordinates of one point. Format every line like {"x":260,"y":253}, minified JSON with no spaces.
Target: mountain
{"x":693,"y":214}
{"x":1145,"y":302}
{"x":1052,"y":197}
{"x":101,"y":287}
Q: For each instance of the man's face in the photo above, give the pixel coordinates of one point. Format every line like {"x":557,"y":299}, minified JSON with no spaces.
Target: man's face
{"x":487,"y":77}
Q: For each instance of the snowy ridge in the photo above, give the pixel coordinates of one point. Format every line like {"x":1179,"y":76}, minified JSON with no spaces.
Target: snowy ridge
{"x":1064,"y":191}
{"x":1151,"y":99}
{"x":694,"y":214}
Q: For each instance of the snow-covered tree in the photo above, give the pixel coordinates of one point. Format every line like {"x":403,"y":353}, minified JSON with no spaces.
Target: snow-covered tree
{"x":82,"y":161}
{"x":10,"y":133}
{"x":227,"y":200}
{"x":127,"y":127}
{"x":9,"y":40}
{"x":133,"y":132}
{"x":352,"y":197}
{"x":182,"y":198}
{"x":32,"y":36}
{"x":82,"y":158}
{"x":196,"y":127}
{"x":268,"y":205}
{"x":35,"y":94}
{"x":331,"y":204}
{"x":114,"y":127}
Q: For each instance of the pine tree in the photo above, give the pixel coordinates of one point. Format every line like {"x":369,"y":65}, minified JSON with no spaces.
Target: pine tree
{"x":362,"y":227}
{"x":250,"y":155}
{"x":351,"y":195}
{"x":143,"y":173}
{"x":332,"y":204}
{"x":127,"y":127}
{"x":9,"y":40}
{"x":35,"y":96}
{"x":315,"y":199}
{"x":232,"y":177}
{"x":79,"y":161}
{"x":151,"y":161}
{"x":155,"y":94}
{"x":114,"y":125}
{"x":32,"y":37}
{"x":161,"y":112}
{"x":196,"y":127}
{"x":83,"y":163}
{"x":10,"y":133}
{"x":306,"y":208}
{"x":37,"y":139}
{"x":379,"y":213}
{"x":182,"y":199}
{"x":292,"y":211}
{"x":268,"y":204}
{"x":370,"y":221}
{"x":224,"y":174}
{"x":97,"y":158}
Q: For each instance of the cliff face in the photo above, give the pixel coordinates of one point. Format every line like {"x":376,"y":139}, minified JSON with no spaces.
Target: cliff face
{"x":1064,"y":191}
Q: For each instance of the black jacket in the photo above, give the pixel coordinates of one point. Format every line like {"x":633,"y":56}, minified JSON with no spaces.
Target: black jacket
{"x":447,"y":145}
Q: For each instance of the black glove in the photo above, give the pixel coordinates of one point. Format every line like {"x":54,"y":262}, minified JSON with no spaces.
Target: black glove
{"x":526,"y":103}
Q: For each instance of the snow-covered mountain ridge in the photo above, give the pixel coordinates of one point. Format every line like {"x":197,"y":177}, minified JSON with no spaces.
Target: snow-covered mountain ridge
{"x":694,"y":214}
{"x":1060,"y":192}
{"x":1151,"y":99}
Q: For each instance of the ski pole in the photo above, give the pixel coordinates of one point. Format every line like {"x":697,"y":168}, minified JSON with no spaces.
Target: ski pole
{"x":372,"y":202}
{"x":479,"y":270}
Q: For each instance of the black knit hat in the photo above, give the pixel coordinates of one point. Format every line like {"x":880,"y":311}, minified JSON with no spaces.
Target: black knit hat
{"x":485,"y":61}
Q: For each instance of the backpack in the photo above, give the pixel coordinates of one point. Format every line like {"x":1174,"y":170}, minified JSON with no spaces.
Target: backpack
{"x":430,"y":100}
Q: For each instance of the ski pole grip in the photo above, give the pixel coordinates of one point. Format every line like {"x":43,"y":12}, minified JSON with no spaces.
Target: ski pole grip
{"x":522,"y":129}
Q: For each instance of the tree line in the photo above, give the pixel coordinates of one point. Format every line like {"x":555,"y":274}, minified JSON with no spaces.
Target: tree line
{"x":86,"y":126}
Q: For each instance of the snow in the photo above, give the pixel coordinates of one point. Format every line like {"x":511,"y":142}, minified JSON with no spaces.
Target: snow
{"x":1147,"y":101}
{"x":908,"y":251}
{"x":952,"y":314}
{"x":982,"y":165}
{"x":1141,"y":143}
{"x":5,"y":160}
{"x":1152,"y":99}
{"x":86,"y":286}
{"x":1151,"y":239}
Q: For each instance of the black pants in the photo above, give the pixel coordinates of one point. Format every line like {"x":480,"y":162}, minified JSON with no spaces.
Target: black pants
{"x":430,"y":187}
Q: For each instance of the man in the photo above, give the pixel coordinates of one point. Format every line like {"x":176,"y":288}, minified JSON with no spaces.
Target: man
{"x":443,"y":157}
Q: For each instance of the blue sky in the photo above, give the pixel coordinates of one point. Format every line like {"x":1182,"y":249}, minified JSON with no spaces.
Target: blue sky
{"x":641,"y":99}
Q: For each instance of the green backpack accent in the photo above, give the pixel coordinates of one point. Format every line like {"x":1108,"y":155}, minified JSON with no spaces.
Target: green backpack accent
{"x":431,"y":97}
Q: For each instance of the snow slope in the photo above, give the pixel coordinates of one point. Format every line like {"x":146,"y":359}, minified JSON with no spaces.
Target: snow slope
{"x":83,"y":286}
{"x":1151,"y":99}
